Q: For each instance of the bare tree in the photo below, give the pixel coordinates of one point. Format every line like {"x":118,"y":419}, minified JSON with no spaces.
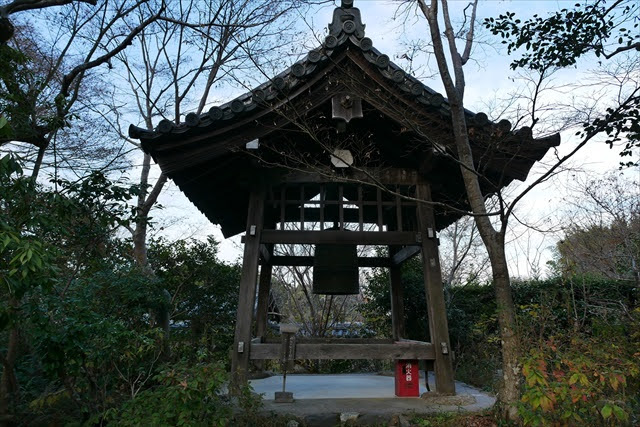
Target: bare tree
{"x":41,"y":101}
{"x":450,"y":60}
{"x":463,"y":257}
{"x":602,"y":235}
{"x":176,"y":63}
{"x":85,"y":142}
{"x":493,"y":239}
{"x":7,"y":29}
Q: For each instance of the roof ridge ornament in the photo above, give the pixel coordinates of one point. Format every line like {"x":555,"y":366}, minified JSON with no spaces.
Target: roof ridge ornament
{"x":346,"y":21}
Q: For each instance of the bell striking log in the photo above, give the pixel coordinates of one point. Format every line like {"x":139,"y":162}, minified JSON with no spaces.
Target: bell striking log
{"x":335,"y":270}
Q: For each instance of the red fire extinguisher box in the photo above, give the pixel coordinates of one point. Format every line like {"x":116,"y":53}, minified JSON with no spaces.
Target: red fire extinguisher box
{"x":407,"y":378}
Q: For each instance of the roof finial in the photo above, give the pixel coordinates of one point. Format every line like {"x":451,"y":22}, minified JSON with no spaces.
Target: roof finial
{"x":346,"y":22}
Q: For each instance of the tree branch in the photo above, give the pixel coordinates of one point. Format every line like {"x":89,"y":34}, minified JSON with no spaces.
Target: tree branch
{"x":24,"y":5}
{"x":153,"y":195}
{"x":588,"y":137}
{"x":469,"y":42}
{"x":68,"y":78}
{"x":634,"y":46}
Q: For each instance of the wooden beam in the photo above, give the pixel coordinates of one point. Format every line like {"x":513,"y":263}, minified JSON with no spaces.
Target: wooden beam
{"x":262,"y":310}
{"x":384,"y":176}
{"x":307,"y":261}
{"x":405,"y":254}
{"x":368,"y":214}
{"x":397,"y":350}
{"x":436,"y":311}
{"x":360,"y":210}
{"x":399,"y":221}
{"x":397,"y":299}
{"x":265,"y":254}
{"x":323,"y":193}
{"x":380,"y":220}
{"x":247,"y":292}
{"x":328,"y":340}
{"x":400,"y":238}
{"x":264,"y":287}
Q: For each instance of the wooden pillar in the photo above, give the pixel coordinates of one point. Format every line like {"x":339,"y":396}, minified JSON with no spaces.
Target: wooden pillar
{"x":262,"y":309}
{"x":397,"y":299}
{"x":436,"y":310}
{"x":247,"y":294}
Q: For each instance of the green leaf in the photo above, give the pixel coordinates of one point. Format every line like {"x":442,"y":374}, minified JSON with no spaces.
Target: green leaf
{"x":535,"y":402}
{"x":606,"y":411}
{"x":619,"y":413}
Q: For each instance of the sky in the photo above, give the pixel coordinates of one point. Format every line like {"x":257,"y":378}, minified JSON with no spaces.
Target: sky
{"x":489,"y":79}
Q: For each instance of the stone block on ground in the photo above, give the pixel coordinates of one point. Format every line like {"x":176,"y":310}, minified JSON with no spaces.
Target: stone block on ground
{"x":348,"y":416}
{"x":322,"y":420}
{"x":283,"y":397}
{"x":399,"y":420}
{"x":376,"y":420}
{"x":455,"y":400}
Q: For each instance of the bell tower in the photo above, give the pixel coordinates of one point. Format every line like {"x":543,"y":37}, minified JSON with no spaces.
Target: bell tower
{"x":348,"y":141}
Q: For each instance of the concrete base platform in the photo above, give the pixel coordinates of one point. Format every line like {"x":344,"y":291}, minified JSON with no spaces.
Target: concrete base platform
{"x":363,"y":395}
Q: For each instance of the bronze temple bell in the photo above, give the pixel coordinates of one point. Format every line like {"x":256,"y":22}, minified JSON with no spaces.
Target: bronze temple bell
{"x":335,"y":267}
{"x":335,"y":270}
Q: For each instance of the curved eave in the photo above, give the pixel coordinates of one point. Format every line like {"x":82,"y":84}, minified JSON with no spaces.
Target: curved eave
{"x":228,"y":126}
{"x":284,"y":88}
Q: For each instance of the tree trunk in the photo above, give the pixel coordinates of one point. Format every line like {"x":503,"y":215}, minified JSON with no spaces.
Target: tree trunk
{"x":38,"y":164}
{"x":140,"y":232}
{"x":9,"y":391}
{"x":509,"y":393}
{"x":140,"y":243}
{"x":493,"y":240}
{"x":146,"y":200}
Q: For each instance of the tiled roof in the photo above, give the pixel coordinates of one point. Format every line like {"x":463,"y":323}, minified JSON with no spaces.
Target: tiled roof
{"x":205,"y":154}
{"x":346,"y":28}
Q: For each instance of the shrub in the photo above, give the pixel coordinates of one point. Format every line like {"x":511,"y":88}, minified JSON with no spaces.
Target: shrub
{"x":185,"y":396}
{"x":583,"y":378}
